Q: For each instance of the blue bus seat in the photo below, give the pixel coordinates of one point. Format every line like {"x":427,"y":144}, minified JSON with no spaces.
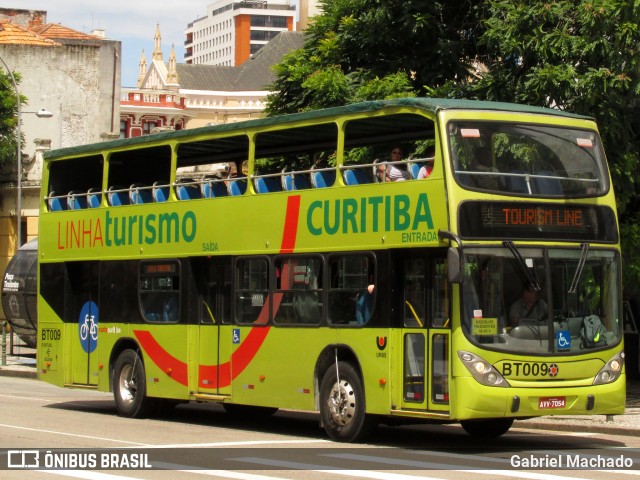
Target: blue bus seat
{"x":323,"y":179}
{"x":56,"y":203}
{"x":414,"y":169}
{"x":160,"y":193}
{"x":287,"y":182}
{"x":187,"y":192}
{"x":238,"y":187}
{"x":547,"y":186}
{"x":214,"y":188}
{"x":118,"y":196}
{"x":139,"y":194}
{"x":94,"y":198}
{"x":76,"y":201}
{"x":517,"y":184}
{"x":267,"y":184}
{"x":356,"y":176}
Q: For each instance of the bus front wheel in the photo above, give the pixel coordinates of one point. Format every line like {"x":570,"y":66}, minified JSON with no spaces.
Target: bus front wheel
{"x":490,"y":428}
{"x":342,"y":405}
{"x":130,"y":386}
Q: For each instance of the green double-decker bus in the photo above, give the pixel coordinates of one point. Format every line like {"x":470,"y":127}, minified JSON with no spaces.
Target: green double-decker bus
{"x":417,"y":259}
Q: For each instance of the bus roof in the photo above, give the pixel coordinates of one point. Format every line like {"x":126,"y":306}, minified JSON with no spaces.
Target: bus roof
{"x":433,"y":105}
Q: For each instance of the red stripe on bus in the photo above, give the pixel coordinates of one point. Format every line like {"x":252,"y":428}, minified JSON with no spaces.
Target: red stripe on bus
{"x":169,"y":364}
{"x":290,"y":224}
{"x":220,"y":376}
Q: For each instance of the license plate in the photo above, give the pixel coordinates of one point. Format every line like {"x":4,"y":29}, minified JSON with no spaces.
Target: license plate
{"x":552,"y":402}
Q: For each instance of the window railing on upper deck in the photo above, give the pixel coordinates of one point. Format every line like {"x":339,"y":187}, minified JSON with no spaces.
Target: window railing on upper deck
{"x":211,"y":186}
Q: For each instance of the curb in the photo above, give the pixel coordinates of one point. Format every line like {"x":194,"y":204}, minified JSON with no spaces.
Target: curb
{"x":22,"y":373}
{"x":578,"y":426}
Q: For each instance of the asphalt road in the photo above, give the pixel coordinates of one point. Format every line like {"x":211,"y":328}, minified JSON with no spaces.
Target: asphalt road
{"x":78,"y":428}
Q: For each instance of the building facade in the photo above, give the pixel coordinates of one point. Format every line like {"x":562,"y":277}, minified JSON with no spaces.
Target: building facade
{"x":173,"y":96}
{"x":233,"y":31}
{"x":73,"y":75}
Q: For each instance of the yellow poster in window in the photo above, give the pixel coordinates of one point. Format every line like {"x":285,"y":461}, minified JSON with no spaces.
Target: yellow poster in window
{"x":484,"y":326}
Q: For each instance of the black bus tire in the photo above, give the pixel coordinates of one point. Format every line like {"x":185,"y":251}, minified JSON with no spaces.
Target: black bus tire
{"x":130,"y":386}
{"x":342,"y":405}
{"x":489,"y":428}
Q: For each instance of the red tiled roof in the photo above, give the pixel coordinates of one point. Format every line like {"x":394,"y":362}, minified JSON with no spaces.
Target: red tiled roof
{"x":11,"y":33}
{"x":55,"y":30}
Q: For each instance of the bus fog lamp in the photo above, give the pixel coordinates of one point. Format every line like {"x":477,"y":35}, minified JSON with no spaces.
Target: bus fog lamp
{"x":492,"y":378}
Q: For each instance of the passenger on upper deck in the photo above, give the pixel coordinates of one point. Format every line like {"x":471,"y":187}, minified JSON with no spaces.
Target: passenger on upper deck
{"x":426,"y":169}
{"x":397,"y":172}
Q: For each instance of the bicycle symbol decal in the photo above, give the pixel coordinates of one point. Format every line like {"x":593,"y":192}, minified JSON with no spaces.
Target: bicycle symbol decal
{"x":563,"y":340}
{"x":88,"y":326}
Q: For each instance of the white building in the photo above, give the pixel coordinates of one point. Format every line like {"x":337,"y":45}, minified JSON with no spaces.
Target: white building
{"x":232,"y":32}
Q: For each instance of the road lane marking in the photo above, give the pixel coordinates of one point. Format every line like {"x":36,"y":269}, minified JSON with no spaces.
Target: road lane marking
{"x":92,"y":437}
{"x":450,"y":467}
{"x":328,"y":470}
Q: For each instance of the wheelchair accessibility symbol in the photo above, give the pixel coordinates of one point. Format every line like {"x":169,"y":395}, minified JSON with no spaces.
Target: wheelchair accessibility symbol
{"x":563,"y":340}
{"x":236,"y":335}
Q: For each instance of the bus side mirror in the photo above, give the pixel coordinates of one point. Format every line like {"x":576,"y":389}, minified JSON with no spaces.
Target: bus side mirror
{"x":453,"y":265}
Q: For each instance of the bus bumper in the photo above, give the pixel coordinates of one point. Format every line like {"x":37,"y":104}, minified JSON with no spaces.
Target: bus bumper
{"x":495,"y":402}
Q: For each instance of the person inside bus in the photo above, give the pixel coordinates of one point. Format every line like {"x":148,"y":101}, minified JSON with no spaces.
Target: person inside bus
{"x":482,"y":163}
{"x":425,"y":170}
{"x":397,"y":170}
{"x":528,"y":310}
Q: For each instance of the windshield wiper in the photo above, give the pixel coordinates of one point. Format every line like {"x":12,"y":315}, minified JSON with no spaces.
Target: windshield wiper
{"x":528,"y":273}
{"x":579,"y":268}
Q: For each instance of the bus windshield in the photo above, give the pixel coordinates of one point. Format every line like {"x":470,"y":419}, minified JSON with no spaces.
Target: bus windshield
{"x":530,"y":160}
{"x":541,"y":301}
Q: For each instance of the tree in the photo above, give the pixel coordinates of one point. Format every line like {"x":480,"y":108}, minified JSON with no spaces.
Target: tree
{"x":580,"y":56}
{"x":8,"y":122}
{"x":373,"y":49}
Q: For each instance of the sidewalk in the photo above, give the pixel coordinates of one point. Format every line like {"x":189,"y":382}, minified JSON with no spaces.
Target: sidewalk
{"x":23,"y":364}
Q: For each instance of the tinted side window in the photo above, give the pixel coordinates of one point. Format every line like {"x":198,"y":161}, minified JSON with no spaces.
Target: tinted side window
{"x":159,"y":290}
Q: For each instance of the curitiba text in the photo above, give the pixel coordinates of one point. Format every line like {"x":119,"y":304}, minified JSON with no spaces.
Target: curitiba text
{"x":369,"y":214}
{"x":125,"y":230}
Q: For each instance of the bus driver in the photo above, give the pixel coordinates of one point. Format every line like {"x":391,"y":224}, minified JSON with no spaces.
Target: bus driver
{"x":528,"y":309}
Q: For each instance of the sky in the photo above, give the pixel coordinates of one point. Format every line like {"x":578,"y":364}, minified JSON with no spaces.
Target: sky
{"x":132,"y":22}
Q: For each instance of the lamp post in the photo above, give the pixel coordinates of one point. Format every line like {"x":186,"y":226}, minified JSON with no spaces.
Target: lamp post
{"x":42,"y":113}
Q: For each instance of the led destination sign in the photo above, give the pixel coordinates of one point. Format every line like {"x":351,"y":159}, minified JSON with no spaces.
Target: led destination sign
{"x":513,"y":220}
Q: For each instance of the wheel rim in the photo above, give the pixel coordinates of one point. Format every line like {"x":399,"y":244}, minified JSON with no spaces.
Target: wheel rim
{"x":127,"y":385}
{"x":342,"y":403}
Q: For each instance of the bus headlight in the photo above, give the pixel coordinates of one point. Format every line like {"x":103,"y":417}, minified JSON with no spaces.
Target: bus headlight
{"x":482,"y":370}
{"x":611,"y":371}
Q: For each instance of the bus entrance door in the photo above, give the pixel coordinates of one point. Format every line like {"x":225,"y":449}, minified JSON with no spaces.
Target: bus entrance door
{"x":83,"y":322}
{"x":213,"y":355}
{"x":425,"y":335}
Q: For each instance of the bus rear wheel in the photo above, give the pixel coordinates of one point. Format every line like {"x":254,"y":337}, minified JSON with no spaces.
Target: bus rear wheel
{"x":490,"y":428}
{"x":342,"y":405}
{"x":130,"y":386}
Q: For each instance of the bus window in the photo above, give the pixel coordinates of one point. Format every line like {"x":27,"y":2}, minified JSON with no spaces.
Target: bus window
{"x":370,"y":144}
{"x":298,"y":294}
{"x":213,"y":279}
{"x":352,"y":289}
{"x":252,"y":291}
{"x":295,"y":158}
{"x":528,"y":159}
{"x":414,"y":292}
{"x":160,"y":291}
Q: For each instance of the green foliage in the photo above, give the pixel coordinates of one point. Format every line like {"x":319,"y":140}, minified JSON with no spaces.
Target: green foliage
{"x":373,"y":49}
{"x":8,"y":122}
